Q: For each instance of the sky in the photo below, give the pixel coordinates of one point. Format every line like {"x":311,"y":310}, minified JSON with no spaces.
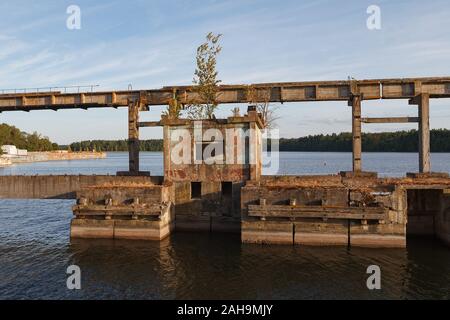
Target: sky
{"x":151,"y":44}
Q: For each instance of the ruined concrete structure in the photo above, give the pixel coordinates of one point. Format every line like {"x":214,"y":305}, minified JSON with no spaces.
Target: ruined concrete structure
{"x":342,"y":210}
{"x":193,"y":194}
{"x":349,"y":208}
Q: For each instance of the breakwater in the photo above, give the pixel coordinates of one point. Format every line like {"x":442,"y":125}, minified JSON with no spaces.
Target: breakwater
{"x":57,"y":156}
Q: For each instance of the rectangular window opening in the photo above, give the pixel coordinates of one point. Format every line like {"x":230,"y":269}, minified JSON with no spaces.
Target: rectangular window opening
{"x":227,"y":189}
{"x":196,"y":190}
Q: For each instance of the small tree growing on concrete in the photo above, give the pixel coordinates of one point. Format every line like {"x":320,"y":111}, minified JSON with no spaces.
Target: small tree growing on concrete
{"x":205,"y":79}
{"x":174,"y":107}
{"x":263,"y":106}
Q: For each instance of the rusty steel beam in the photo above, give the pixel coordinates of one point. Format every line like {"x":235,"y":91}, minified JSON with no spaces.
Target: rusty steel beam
{"x":262,"y":92}
{"x":146,"y":124}
{"x":391,"y":120}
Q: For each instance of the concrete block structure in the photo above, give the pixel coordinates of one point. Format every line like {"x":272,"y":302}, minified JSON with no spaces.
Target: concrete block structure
{"x":206,"y":163}
{"x":142,"y":211}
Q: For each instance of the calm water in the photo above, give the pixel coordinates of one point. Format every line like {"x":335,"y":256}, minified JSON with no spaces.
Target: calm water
{"x":292,"y":163}
{"x":35,"y":250}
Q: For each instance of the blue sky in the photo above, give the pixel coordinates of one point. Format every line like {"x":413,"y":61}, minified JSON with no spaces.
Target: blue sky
{"x":151,"y":44}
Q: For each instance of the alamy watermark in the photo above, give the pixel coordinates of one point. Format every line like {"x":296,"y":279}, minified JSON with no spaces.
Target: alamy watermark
{"x":225,"y":146}
{"x":374,"y":280}
{"x":74,"y":279}
{"x":73,"y":21}
{"x":374,"y":20}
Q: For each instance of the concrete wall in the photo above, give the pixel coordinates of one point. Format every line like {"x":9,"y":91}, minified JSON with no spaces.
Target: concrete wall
{"x":443,"y":218}
{"x":327,"y":192}
{"x":429,"y":213}
{"x":234,"y":168}
{"x":124,"y":225}
{"x":423,"y":208}
{"x":60,"y":187}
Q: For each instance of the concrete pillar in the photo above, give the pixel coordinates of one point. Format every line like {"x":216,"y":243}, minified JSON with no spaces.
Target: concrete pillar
{"x":133,"y":137}
{"x":356,"y":132}
{"x":424,"y":133}
{"x":166,"y":153}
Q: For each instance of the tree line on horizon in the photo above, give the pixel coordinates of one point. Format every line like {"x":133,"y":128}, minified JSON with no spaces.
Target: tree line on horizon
{"x":10,"y":135}
{"x":400,"y":141}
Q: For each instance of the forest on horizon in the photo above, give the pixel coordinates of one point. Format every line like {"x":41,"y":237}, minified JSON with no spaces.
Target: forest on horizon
{"x":400,"y":141}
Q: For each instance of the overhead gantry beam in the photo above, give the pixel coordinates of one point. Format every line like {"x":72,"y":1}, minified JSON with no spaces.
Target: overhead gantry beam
{"x":391,"y":120}
{"x":262,"y":92}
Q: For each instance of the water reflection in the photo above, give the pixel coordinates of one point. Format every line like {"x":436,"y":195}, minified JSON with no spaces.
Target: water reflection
{"x":204,"y":266}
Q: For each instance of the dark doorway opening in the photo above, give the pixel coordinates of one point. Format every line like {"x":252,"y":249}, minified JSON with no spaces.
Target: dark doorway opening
{"x":424,"y":207}
{"x":196,"y":190}
{"x":227,"y":189}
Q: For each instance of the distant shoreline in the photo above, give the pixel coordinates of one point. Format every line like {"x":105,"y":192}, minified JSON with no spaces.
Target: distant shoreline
{"x":411,"y":152}
{"x":400,"y":141}
{"x":45,"y":156}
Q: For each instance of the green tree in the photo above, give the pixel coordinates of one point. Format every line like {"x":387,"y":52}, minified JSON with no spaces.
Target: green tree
{"x":205,"y":79}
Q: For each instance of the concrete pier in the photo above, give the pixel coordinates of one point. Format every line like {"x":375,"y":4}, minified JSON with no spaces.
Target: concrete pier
{"x":217,"y":193}
{"x":334,"y":210}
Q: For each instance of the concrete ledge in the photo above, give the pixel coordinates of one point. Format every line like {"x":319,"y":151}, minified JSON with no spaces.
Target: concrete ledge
{"x":418,"y":175}
{"x":133,"y":174}
{"x":321,"y":239}
{"x":358,"y":174}
{"x":140,"y":230}
{"x":267,"y":232}
{"x":267,"y":237}
{"x":92,"y":229}
{"x":377,"y":241}
{"x":119,"y":229}
{"x":320,"y":233}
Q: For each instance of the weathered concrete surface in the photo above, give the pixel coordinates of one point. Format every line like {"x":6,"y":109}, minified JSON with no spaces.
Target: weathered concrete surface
{"x":4,"y":162}
{"x":264,"y":232}
{"x":61,"y":187}
{"x":117,"y":212}
{"x":442,"y":221}
{"x":120,"y":229}
{"x":403,"y":200}
{"x":318,"y":232}
{"x":239,"y":159}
